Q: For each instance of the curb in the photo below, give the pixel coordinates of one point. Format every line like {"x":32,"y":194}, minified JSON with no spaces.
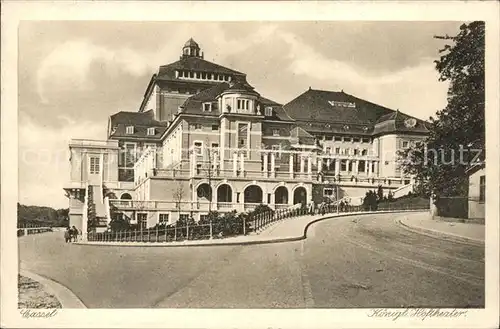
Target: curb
{"x":65,"y":296}
{"x":242,"y":243}
{"x":441,"y":235}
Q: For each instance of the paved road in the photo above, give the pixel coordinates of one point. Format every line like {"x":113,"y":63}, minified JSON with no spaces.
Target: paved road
{"x":367,"y":261}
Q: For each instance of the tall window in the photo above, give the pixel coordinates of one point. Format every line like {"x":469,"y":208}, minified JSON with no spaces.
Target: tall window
{"x":482,"y":188}
{"x":207,"y":107}
{"x":130,"y":130}
{"x":142,"y":220}
{"x":242,"y":135}
{"x":268,"y":111}
{"x":94,"y":165}
{"x":130,"y":154}
{"x":343,"y":165}
{"x":151,"y":131}
{"x":197,"y":147}
{"x":243,"y":104}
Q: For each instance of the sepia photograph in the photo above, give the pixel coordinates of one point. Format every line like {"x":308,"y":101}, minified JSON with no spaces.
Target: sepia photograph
{"x":253,"y":165}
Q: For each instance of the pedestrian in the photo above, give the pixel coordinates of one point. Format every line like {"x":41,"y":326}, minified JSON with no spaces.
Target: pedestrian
{"x":67,"y":235}
{"x":74,"y":233}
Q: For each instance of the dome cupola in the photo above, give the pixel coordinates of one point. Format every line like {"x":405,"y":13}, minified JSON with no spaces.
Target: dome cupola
{"x":191,"y":49}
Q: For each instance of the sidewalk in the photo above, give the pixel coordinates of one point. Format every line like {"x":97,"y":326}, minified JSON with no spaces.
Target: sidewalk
{"x":454,"y":231}
{"x":290,"y":229}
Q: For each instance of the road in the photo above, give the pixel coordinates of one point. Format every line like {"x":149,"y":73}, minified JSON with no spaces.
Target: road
{"x":364,"y":261}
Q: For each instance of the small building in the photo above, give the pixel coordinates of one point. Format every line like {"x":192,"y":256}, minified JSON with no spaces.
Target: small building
{"x":477,"y":191}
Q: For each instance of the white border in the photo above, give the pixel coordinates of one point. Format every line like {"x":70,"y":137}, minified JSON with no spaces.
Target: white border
{"x":13,"y":12}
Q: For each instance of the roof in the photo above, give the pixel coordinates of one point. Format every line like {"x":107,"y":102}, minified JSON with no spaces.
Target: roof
{"x":141,"y":122}
{"x":399,"y":122}
{"x":193,"y":105}
{"x":332,"y":106}
{"x":167,"y":72}
{"x":191,"y":43}
{"x":475,"y":167}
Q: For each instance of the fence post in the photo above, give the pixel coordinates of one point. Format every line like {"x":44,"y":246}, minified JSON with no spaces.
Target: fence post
{"x":135,"y":235}
{"x":156,"y":233}
{"x":175,"y":232}
{"x":244,"y":227}
{"x":212,"y":230}
{"x":165,"y":232}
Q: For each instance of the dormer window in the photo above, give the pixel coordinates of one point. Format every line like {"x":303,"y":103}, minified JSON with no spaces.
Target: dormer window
{"x":151,"y":131}
{"x":276,"y":132}
{"x":268,"y":111}
{"x":129,"y":130}
{"x":207,"y":107}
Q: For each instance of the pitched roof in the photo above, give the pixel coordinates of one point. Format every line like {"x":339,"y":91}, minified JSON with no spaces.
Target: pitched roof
{"x":141,"y":121}
{"x":399,"y":122}
{"x":191,"y":43}
{"x":331,"y":106}
{"x":167,"y":72}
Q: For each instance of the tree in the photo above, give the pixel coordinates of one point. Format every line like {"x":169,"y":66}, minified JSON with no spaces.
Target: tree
{"x":457,"y":134}
{"x":390,"y":196}
{"x":178,"y":196}
{"x":380,"y":193}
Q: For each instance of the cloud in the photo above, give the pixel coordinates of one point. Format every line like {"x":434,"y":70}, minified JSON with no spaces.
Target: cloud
{"x":44,"y":158}
{"x":414,"y":90}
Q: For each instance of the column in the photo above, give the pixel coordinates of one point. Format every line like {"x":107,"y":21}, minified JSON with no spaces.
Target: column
{"x":235,"y":163}
{"x":366,"y":166}
{"x":291,"y":165}
{"x":309,"y":166}
{"x":355,"y":164}
{"x":320,"y":164}
{"x":369,"y":168}
{"x":337,"y":167}
{"x":328,"y":161}
{"x":193,"y":163}
{"x":375,"y":169}
{"x":273,"y":164}
{"x":242,"y":162}
{"x":347,"y":165}
{"x":265,"y":164}
{"x":302,"y":164}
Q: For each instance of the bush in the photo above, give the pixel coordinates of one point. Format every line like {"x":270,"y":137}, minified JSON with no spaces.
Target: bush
{"x":370,"y":202}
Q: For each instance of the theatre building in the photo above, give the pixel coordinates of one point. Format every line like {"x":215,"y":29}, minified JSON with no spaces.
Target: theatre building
{"x":204,"y":139}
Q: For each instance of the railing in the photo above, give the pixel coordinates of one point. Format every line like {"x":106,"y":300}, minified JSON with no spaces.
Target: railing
{"x":94,"y":143}
{"x":241,"y":224}
{"x":32,"y":230}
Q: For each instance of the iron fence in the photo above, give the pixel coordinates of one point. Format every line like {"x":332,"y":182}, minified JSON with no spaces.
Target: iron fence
{"x":240,"y":225}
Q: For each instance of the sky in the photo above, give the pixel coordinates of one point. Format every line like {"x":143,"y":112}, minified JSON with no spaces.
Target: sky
{"x":74,"y":74}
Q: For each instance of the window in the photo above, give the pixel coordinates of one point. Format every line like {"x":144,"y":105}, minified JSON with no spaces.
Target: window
{"x":151,"y":131}
{"x":215,"y":146}
{"x":215,"y":127}
{"x":203,"y":75}
{"x":347,"y":139}
{"x":277,"y":148}
{"x":130,"y":155}
{"x":338,"y":139}
{"x":405,"y":144}
{"x":183,"y":216}
{"x":328,"y":150}
{"x":343,"y":165}
{"x":355,"y":140}
{"x":207,"y":107}
{"x":276,"y":132}
{"x":150,"y":145}
{"x":482,"y":188}
{"x":203,"y":218}
{"x":242,"y":135}
{"x":94,"y":165}
{"x":197,"y":147}
{"x":361,"y":165}
{"x":364,"y":152}
{"x":365,"y":140}
{"x":243,"y":104}
{"x":197,"y":126}
{"x":337,"y":150}
{"x":356,"y":151}
{"x":327,"y":192}
{"x":163,"y":219}
{"x":130,"y":130}
{"x":142,"y":220}
{"x":198,"y":168}
{"x":268,"y":111}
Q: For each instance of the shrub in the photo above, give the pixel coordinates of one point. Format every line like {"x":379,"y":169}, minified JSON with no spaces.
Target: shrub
{"x":370,"y":201}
